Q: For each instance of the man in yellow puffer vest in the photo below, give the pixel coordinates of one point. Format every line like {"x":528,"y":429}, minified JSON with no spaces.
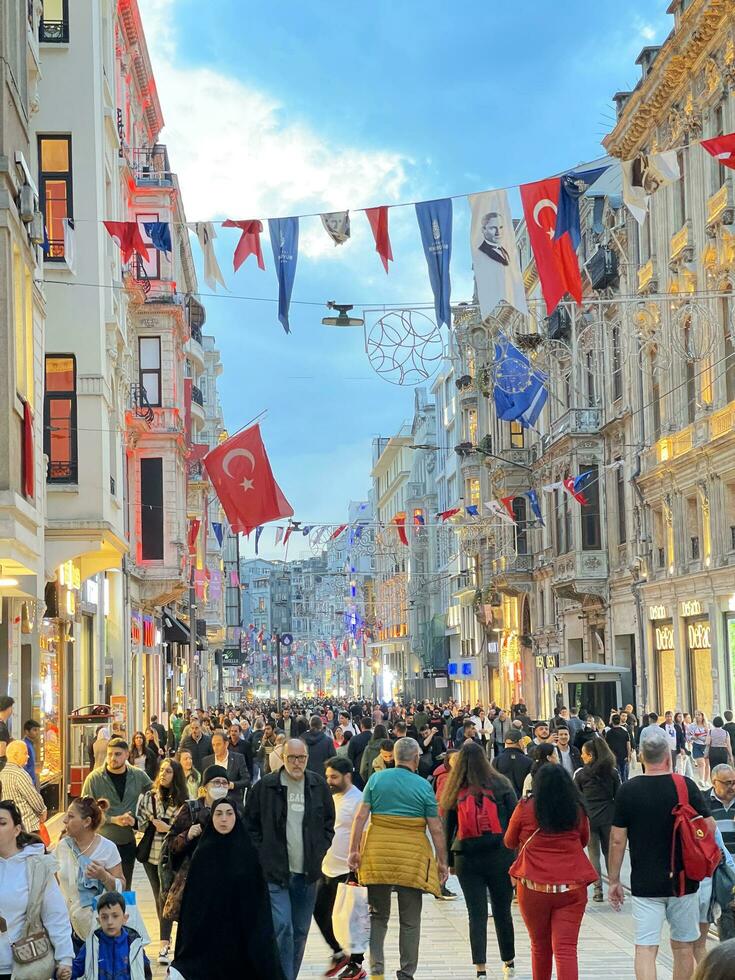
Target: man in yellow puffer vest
{"x":396,"y":854}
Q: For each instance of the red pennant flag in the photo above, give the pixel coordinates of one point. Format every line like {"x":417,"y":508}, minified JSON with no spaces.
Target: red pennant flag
{"x":287,"y":535}
{"x":556,"y":260}
{"x":194,"y":526}
{"x":345,"y":646}
{"x":336,"y":534}
{"x":249,"y":243}
{"x":577,"y":494}
{"x":400,"y":522}
{"x":378,"y":218}
{"x":242,"y":478}
{"x":128,"y":237}
{"x":722,"y":149}
{"x":507,"y":502}
{"x":446,"y":514}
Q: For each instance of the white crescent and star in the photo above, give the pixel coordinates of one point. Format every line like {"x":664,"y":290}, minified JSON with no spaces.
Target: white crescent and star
{"x":541,"y":206}
{"x":233,"y":454}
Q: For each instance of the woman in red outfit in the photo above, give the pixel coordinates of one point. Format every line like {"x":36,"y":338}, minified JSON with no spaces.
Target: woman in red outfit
{"x":552,"y":871}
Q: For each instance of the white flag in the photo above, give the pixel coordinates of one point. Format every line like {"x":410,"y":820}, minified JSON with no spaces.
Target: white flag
{"x":494,"y":255}
{"x":643,"y":176}
{"x":204,"y":230}
{"x":550,"y":487}
{"x":337,"y":225}
{"x":70,"y":244}
{"x":279,"y":535}
{"x":497,"y":510}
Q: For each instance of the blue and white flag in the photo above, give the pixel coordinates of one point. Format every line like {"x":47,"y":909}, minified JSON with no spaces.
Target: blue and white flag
{"x":217,"y":528}
{"x":159,"y":233}
{"x":284,"y":234}
{"x":571,"y":187}
{"x":472,"y":511}
{"x":258,"y":532}
{"x":535,"y":505}
{"x":435,"y":224}
{"x":522,"y":400}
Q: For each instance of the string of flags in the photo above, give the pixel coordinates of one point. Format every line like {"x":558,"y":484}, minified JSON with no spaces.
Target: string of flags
{"x":551,"y":208}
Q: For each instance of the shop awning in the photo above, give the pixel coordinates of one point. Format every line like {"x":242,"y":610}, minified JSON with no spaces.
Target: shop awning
{"x":174,"y":631}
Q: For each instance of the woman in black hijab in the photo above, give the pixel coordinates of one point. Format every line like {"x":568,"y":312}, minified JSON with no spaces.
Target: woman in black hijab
{"x":232,"y":937}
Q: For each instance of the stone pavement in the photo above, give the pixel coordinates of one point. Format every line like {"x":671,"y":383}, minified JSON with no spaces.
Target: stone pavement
{"x":605,"y":946}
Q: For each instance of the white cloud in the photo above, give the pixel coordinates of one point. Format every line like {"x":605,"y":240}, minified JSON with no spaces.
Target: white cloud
{"x":238,"y":155}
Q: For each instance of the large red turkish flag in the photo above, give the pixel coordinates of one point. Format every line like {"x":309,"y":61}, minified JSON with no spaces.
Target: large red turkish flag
{"x":722,"y":148}
{"x":241,"y":475}
{"x":556,"y":260}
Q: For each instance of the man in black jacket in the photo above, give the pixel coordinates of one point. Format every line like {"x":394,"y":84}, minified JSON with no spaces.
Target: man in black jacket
{"x":356,"y":745}
{"x":319,"y":745}
{"x":231,"y":760}
{"x":290,"y":816}
{"x":513,"y":762}
{"x":197,"y":743}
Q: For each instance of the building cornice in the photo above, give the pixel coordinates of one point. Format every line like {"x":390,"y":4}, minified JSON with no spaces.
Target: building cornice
{"x":135,"y":36}
{"x":674,"y":66}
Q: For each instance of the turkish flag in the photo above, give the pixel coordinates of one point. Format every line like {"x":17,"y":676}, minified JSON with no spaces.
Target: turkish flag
{"x":378,"y":218}
{"x":556,"y":260}
{"x":249,"y":243}
{"x":722,"y":149}
{"x":128,"y":237}
{"x":242,"y":478}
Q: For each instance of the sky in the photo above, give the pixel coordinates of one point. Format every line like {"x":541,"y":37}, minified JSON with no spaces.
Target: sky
{"x":274,"y":110}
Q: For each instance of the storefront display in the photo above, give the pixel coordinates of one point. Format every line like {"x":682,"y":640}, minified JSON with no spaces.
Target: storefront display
{"x":663,"y":644}
{"x":49,"y":758}
{"x":699,"y":653}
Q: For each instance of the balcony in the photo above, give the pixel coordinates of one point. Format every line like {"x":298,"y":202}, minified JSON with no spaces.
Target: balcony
{"x":514,"y":576}
{"x":647,"y":282}
{"x":720,"y":207}
{"x":681,"y":248}
{"x":576,"y":422}
{"x":581,"y":575}
{"x":196,"y":396}
{"x":53,"y":31}
{"x":722,"y":422}
{"x":150,"y":166}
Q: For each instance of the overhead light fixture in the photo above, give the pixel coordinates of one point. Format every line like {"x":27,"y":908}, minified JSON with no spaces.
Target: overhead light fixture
{"x":343,"y":320}
{"x":7,"y":582}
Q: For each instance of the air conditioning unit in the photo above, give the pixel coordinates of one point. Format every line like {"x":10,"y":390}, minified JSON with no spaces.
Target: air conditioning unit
{"x":602,"y":269}
{"x":36,"y":229}
{"x":27,"y":204}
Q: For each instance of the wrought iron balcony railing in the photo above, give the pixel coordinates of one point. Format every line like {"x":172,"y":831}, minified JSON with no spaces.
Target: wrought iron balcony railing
{"x":196,"y":396}
{"x":53,"y":31}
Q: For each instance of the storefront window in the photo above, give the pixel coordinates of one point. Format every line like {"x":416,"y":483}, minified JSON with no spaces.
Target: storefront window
{"x":663,"y":636}
{"x":49,"y":749}
{"x":700,"y":665}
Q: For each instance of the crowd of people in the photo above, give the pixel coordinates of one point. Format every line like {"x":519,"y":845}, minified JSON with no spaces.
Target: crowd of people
{"x":323,"y":811}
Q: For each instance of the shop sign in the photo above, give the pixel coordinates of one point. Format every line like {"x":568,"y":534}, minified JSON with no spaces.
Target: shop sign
{"x":691,"y":607}
{"x":136,"y":629}
{"x":70,"y":577}
{"x":231,"y":657}
{"x":149,"y":632}
{"x":698,"y":635}
{"x":665,"y":637}
{"x":548,"y":662}
{"x":119,"y":711}
{"x":658,"y":612}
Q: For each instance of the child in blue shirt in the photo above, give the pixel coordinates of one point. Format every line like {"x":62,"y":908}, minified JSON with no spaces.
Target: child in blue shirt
{"x":115,"y":948}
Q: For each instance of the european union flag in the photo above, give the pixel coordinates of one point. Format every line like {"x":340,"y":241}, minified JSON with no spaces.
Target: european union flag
{"x":535,"y":505}
{"x":518,"y":406}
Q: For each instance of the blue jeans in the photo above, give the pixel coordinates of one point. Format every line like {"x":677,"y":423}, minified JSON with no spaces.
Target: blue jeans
{"x":292,"y":907}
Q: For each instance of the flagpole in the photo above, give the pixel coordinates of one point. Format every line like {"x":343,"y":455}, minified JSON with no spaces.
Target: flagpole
{"x":278,"y":671}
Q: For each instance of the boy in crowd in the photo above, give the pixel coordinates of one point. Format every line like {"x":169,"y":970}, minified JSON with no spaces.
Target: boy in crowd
{"x":113,"y":950}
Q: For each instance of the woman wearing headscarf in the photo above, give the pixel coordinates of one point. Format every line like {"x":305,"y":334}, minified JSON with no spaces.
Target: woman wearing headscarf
{"x":234,"y":937}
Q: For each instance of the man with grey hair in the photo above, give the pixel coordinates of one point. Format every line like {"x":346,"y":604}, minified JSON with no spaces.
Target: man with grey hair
{"x":396,"y":855}
{"x":721,"y":801}
{"x":644,"y":821}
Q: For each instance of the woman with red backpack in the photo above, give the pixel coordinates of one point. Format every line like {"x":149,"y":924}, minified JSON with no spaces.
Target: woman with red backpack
{"x":478,"y":803}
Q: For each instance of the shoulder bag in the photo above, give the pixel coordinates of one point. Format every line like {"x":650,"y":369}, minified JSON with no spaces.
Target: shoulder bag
{"x":33,"y":955}
{"x":143,"y":850}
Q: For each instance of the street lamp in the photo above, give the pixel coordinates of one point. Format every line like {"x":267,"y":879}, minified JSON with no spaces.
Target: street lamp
{"x":466,"y":449}
{"x":342,"y":320}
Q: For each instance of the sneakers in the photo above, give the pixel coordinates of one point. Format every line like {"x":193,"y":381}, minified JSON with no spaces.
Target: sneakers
{"x":509,"y":970}
{"x":598,"y":896}
{"x":446,"y":895}
{"x":164,"y":957}
{"x":338,"y":962}
{"x":353,"y":971}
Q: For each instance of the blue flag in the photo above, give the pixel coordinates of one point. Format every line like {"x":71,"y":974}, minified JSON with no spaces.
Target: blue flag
{"x":579,"y":481}
{"x":571,"y":187}
{"x":285,"y":244}
{"x":435,"y":224}
{"x":217,"y":528}
{"x":472,"y":510}
{"x":306,"y":530}
{"x":159,"y":233}
{"x":524,"y":405}
{"x":535,"y":505}
{"x":258,"y":532}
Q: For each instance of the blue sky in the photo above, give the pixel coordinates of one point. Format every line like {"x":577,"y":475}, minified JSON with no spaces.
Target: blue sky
{"x":281,"y":109}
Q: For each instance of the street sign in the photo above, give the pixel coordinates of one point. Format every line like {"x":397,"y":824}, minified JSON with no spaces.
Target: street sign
{"x":438,"y":672}
{"x":286,"y":639}
{"x":232,"y":657}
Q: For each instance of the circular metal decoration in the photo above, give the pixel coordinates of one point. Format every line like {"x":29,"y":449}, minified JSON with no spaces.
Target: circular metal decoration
{"x":693,"y":332}
{"x":405,"y":347}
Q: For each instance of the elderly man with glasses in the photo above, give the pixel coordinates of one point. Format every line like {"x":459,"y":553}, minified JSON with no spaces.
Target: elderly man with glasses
{"x":721,"y":801}
{"x":290,"y":816}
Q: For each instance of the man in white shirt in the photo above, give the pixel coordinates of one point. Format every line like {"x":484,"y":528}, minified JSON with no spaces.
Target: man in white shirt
{"x":347,"y":799}
{"x":485,"y":731}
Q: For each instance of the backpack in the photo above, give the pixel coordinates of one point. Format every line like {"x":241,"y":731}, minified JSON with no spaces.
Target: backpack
{"x":477,"y":814}
{"x":700,"y":853}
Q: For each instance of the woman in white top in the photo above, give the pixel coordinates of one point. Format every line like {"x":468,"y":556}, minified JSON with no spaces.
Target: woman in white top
{"x":697,"y":732}
{"x":89,"y":864}
{"x":22,"y":863}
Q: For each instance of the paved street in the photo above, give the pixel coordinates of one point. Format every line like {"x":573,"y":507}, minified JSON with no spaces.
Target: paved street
{"x":606,"y":943}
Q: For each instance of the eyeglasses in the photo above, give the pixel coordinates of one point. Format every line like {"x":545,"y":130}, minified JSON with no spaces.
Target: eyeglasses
{"x":725,"y":782}
{"x":219,"y":782}
{"x":296,"y":758}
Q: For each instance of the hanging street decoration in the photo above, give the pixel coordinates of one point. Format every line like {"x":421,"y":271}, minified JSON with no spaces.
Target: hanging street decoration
{"x":435,"y":224}
{"x":445,"y":515}
{"x":258,"y":532}
{"x":535,"y":505}
{"x":494,"y":254}
{"x":284,"y":234}
{"x":217,"y":528}
{"x":249,"y":243}
{"x":128,"y":237}
{"x":337,"y":225}
{"x":574,"y":486}
{"x":519,"y":390}
{"x":335,"y":534}
{"x":242,"y":478}
{"x":722,"y":149}
{"x":378,"y":218}
{"x":644,"y":176}
{"x":572,"y":187}
{"x":159,"y":233}
{"x":556,"y":260}
{"x":194,"y":525}
{"x":405,"y":347}
{"x":204,"y":230}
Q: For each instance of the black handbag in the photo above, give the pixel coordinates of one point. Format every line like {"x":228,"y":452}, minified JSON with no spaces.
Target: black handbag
{"x":143,"y":850}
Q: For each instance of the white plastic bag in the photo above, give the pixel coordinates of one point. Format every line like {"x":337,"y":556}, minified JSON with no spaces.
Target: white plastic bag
{"x":351,"y":917}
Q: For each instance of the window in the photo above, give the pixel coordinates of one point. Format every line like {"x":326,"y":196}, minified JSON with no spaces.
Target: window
{"x":680,"y":192}
{"x":691,"y":377}
{"x":644,"y":239}
{"x":521,"y":528}
{"x":472,"y":492}
{"x":718,"y":128}
{"x":620,"y":498}
{"x":54,"y":155}
{"x":470,"y":426}
{"x":23,"y":320}
{"x":151,"y":508}
{"x":54,"y":25}
{"x":60,"y":418}
{"x":150,"y":269}
{"x":655,"y":396}
{"x":591,"y":540}
{"x":517,"y":435}
{"x":617,"y":363}
{"x":729,"y":369}
{"x":149,"y":357}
